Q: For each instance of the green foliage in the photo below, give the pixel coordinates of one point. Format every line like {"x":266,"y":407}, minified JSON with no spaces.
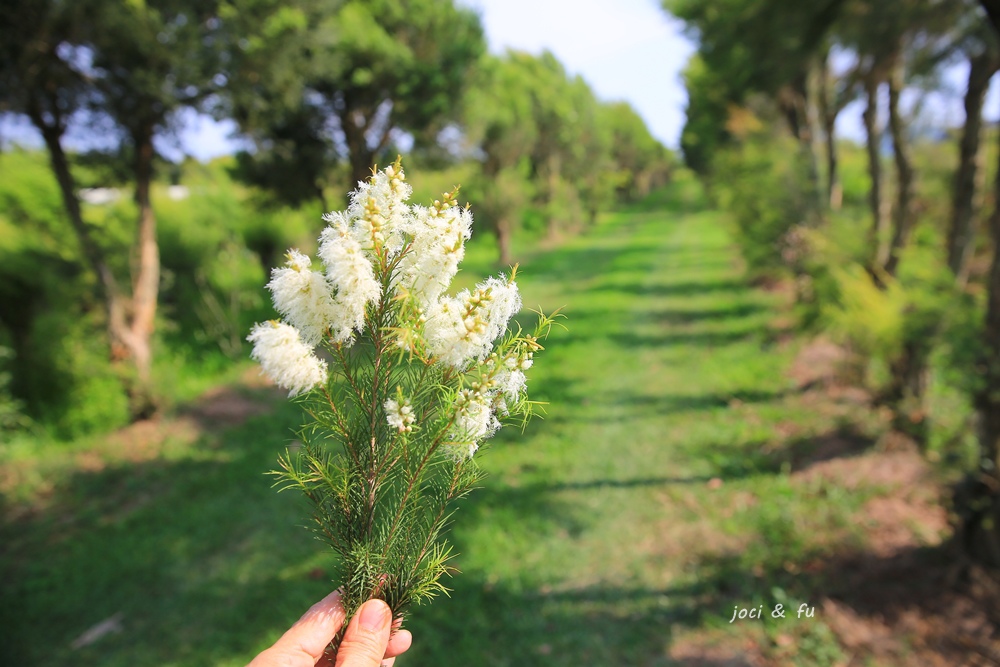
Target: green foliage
{"x":12,"y":417}
{"x":760,"y":184}
{"x":376,"y":67}
{"x":551,"y":153}
{"x":48,"y":316}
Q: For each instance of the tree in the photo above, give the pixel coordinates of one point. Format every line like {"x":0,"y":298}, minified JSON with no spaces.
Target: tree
{"x":640,"y":162}
{"x":312,"y":83}
{"x":979,"y":502}
{"x":150,"y":60}
{"x":979,"y":46}
{"x":500,"y":123}
{"x":135,"y":65}
{"x":774,"y":48}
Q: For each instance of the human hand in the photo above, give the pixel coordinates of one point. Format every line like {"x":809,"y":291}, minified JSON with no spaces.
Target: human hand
{"x":368,"y":642}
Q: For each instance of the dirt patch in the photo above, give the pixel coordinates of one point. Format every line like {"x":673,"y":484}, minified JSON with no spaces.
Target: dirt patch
{"x":695,"y":653}
{"x":916,"y":607}
{"x":817,"y":363}
{"x":146,"y":440}
{"x":878,"y":469}
{"x":224,"y":407}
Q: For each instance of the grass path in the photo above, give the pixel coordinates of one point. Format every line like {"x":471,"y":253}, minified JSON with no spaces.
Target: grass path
{"x":584,"y":547}
{"x":659,"y":492}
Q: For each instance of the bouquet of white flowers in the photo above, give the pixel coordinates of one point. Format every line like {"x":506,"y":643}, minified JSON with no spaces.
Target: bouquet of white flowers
{"x":409,"y":382}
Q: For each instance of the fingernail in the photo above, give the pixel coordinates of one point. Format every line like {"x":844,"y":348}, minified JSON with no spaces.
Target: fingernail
{"x":374,"y":615}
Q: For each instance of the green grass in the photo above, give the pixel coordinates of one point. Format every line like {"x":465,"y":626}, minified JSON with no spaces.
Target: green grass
{"x":597,"y":539}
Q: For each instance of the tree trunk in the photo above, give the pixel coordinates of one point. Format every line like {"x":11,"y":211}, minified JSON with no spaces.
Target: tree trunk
{"x":905,"y":395}
{"x":108,"y":286}
{"x":354,"y":123}
{"x":503,"y":240}
{"x":978,"y":501}
{"x":828,"y":112}
{"x":878,"y":235}
{"x":798,"y":102}
{"x":146,"y":271}
{"x":554,"y":169}
{"x":904,"y":214}
{"x":812,"y":101}
{"x":362,"y":161}
{"x":961,"y":232}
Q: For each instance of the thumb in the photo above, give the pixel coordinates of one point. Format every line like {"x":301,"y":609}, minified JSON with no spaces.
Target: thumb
{"x":367,"y":636}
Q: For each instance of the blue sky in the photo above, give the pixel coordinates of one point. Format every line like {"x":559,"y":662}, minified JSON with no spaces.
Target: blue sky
{"x":626,"y":50}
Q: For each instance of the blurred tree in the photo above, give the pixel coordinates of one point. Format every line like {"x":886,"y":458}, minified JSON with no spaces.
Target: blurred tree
{"x":768,"y":47}
{"x":499,"y":120}
{"x":709,"y":101}
{"x":314,"y":82}
{"x":978,"y":45}
{"x":149,"y":60}
{"x":979,"y":501}
{"x":557,"y":120}
{"x":640,"y":162}
{"x":134,"y":63}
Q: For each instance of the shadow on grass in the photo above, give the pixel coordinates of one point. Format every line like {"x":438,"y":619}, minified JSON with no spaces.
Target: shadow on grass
{"x":197,"y":555}
{"x":490,"y":624}
{"x":676,"y":289}
{"x":694,"y":315}
{"x":916,"y":605}
{"x":761,"y":457}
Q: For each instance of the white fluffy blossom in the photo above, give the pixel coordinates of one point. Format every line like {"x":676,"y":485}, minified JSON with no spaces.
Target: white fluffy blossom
{"x":378,"y":213}
{"x":505,"y":301}
{"x":438,"y":246}
{"x":351,"y":273}
{"x":400,"y":415}
{"x":510,"y":383}
{"x":304,"y":297}
{"x":285,"y":358}
{"x":463,"y":328}
{"x":474,"y":421}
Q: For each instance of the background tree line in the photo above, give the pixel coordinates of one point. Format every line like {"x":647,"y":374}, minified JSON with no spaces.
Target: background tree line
{"x":891,"y":244}
{"x":108,"y":311}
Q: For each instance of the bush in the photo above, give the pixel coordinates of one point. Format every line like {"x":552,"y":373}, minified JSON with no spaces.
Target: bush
{"x":759,"y":183}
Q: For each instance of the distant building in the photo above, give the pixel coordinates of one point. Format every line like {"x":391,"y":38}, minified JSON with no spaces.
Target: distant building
{"x":100,"y":196}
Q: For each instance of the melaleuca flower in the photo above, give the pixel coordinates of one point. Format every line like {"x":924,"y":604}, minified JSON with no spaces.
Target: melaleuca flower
{"x":439,"y":234}
{"x":304,"y":297}
{"x":511,"y":383}
{"x":474,"y":421}
{"x":351,"y":273}
{"x":460,"y":329}
{"x":399,"y":415}
{"x":285,"y":358}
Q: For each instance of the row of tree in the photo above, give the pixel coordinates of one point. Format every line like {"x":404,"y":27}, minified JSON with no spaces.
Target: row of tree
{"x":770,"y":73}
{"x":321,"y":90}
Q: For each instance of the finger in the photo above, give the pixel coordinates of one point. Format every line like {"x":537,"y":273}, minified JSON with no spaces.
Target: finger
{"x":367,"y":636}
{"x":304,"y":643}
{"x":398,"y":643}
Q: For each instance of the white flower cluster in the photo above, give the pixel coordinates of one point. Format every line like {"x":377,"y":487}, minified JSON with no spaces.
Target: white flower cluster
{"x":475,"y":421}
{"x":285,"y":358}
{"x":464,"y":327}
{"x":385,"y":254}
{"x":400,"y":415}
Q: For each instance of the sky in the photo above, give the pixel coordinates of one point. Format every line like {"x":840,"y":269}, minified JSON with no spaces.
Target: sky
{"x":625,"y":49}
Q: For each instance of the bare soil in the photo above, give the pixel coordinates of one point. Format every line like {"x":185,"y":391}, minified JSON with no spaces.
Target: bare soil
{"x":909,"y":597}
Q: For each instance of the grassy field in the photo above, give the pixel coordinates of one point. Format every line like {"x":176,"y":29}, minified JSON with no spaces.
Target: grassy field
{"x":676,"y":475}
